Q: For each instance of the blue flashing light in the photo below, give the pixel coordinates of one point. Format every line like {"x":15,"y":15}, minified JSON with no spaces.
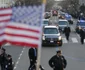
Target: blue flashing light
{"x":81,"y":20}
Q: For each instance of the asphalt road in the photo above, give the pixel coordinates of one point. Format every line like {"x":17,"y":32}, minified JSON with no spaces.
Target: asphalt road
{"x":73,"y":51}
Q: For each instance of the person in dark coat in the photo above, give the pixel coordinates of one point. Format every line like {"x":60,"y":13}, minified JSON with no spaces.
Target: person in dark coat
{"x":82,"y":35}
{"x":3,"y":58}
{"x":58,"y":61}
{"x":67,"y":31}
{"x":8,"y":63}
{"x":32,"y":53}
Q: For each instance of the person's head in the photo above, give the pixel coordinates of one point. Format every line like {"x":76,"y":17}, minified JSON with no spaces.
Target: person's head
{"x":59,"y":52}
{"x":9,"y":57}
{"x":3,"y":50}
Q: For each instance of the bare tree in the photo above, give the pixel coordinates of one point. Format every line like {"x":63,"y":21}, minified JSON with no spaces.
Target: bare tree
{"x":49,"y":3}
{"x":71,"y":6}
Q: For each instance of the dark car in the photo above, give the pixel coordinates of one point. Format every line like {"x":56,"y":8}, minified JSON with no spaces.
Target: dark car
{"x":80,"y":24}
{"x":51,"y":36}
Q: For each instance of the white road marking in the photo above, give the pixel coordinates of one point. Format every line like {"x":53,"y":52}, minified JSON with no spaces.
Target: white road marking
{"x":74,"y":40}
{"x":14,"y":68}
{"x":84,"y":40}
{"x":72,"y":28}
{"x":64,"y":40}
{"x":19,"y":59}
{"x":20,"y":54}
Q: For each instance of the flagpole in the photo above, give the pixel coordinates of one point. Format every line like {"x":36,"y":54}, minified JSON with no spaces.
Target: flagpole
{"x":40,"y":45}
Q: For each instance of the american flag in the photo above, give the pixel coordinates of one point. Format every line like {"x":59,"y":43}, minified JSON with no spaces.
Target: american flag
{"x":21,"y":25}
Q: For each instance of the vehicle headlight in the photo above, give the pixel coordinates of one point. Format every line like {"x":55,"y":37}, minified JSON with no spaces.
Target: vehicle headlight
{"x":43,"y":37}
{"x":79,"y":27}
{"x":59,"y":38}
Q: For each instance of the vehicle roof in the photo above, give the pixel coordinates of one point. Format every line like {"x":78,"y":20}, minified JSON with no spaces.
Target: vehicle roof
{"x":51,"y":26}
{"x":63,"y":20}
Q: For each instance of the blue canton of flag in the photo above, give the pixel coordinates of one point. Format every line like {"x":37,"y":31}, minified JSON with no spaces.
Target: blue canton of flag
{"x":30,"y":15}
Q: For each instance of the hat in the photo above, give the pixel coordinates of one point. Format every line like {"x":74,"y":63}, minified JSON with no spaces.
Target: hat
{"x":58,"y":50}
{"x":3,"y":49}
{"x":8,"y":55}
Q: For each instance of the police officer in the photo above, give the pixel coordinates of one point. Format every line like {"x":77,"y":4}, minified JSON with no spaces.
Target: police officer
{"x":67,"y":31}
{"x":82,"y":35}
{"x":8,"y":64}
{"x":3,"y":58}
{"x":32,"y":53}
{"x":58,"y":61}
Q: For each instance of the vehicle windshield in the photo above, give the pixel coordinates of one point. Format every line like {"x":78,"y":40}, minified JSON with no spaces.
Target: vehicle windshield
{"x":63,"y":23}
{"x":68,"y":17}
{"x":50,"y":31}
{"x":45,"y":22}
{"x":62,"y":15}
{"x":81,"y":23}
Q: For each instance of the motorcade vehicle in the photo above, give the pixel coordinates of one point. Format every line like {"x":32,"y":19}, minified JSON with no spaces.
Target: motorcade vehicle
{"x":62,"y":23}
{"x":45,"y":22}
{"x":51,"y":36}
{"x":54,"y":13}
{"x":80,"y":24}
{"x":67,"y":17}
{"x":61,"y":16}
{"x":47,"y":15}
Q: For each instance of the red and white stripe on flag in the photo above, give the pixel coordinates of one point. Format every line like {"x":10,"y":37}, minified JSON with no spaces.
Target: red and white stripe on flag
{"x":20,"y":33}
{"x":5,"y":14}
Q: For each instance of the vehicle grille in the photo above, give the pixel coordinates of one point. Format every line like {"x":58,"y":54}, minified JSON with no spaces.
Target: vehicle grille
{"x":49,"y":39}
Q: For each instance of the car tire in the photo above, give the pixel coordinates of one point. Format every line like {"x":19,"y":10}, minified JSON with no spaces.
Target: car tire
{"x":70,"y":21}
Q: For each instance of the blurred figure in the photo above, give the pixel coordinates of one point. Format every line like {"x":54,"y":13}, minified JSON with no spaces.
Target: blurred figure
{"x":82,"y":35}
{"x":32,"y":53}
{"x":58,"y":61}
{"x":81,"y":16}
{"x":8,"y":64}
{"x":3,"y":58}
{"x":67,"y":31}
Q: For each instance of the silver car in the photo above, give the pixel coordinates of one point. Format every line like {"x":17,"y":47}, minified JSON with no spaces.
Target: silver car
{"x":62,"y":23}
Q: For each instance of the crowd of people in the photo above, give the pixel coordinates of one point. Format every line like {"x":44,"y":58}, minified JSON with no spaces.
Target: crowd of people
{"x":5,"y":60}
